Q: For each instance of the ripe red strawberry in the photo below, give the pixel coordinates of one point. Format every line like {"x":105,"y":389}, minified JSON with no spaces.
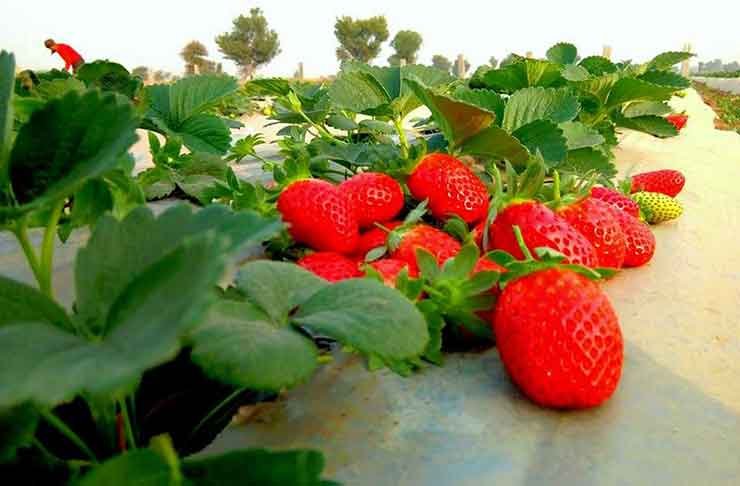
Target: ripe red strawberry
{"x":440,"y":244}
{"x":389,"y":268}
{"x":667,"y":181}
{"x":374,"y":238}
{"x":540,"y":227}
{"x":639,"y":240}
{"x":451,"y":187}
{"x":376,"y":197}
{"x":678,"y":120}
{"x":319,"y":215}
{"x":616,"y":199}
{"x":559,"y":338}
{"x":330,"y":266}
{"x":595,"y":220}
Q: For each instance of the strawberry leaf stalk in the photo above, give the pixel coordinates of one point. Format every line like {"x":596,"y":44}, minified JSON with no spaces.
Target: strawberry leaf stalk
{"x":556,"y":331}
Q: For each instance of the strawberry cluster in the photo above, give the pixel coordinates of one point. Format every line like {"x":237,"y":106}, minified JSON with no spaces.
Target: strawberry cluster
{"x":557,"y":334}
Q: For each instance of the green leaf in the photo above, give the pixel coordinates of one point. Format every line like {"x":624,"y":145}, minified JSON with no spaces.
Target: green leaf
{"x":47,"y":365}
{"x":435,"y":324}
{"x":109,"y":76}
{"x":240,"y":345}
{"x":7,"y":83}
{"x":562,"y":53}
{"x":578,"y":135}
{"x":277,"y":287}
{"x":598,"y":65}
{"x":21,"y":303}
{"x":268,"y":86}
{"x":17,"y":428}
{"x":57,"y":88}
{"x":204,"y":133}
{"x":357,"y":91}
{"x":544,"y":137}
{"x":571,"y":72}
{"x":642,"y":108}
{"x":193,"y":95}
{"x":377,"y":126}
{"x":496,"y":143}
{"x":257,"y":467}
{"x":482,"y":98}
{"x":180,"y":110}
{"x":531,"y":104}
{"x":521,"y":74}
{"x":105,"y":266}
{"x":666,"y":78}
{"x":367,"y":316}
{"x":141,"y":467}
{"x":341,"y":122}
{"x":457,"y":120}
{"x":89,"y":203}
{"x":587,"y":160}
{"x":666,"y":60}
{"x":200,"y":187}
{"x":67,"y":142}
{"x":654,"y":125}
{"x":157,"y":183}
{"x":632,"y":89}
{"x":599,"y":87}
{"x":126,"y":193}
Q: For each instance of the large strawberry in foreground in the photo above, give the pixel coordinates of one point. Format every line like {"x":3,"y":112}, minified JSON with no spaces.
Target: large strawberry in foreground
{"x":558,"y":336}
{"x":451,"y":188}
{"x":376,"y":197}
{"x":319,"y":215}
{"x":667,"y":181}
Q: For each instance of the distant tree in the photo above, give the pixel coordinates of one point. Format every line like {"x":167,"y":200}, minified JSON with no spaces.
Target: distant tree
{"x":407,"y":44}
{"x":194,"y":54}
{"x":160,"y":76}
{"x":141,"y":72}
{"x":493,"y":62}
{"x":360,"y":39}
{"x":251,"y":43}
{"x":441,"y":62}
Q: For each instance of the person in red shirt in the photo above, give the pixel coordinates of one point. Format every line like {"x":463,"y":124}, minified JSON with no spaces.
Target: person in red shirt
{"x":71,"y":57}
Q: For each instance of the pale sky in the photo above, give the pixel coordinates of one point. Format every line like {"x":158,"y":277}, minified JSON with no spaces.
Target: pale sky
{"x":152,"y":32}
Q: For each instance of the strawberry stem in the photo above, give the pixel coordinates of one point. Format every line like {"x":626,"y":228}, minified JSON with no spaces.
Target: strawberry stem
{"x":556,"y":187}
{"x":522,"y":246}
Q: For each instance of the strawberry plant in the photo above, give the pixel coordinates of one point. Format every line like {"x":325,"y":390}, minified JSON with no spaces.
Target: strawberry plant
{"x":85,"y":389}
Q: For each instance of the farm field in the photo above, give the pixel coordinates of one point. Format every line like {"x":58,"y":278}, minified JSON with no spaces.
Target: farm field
{"x":401,"y":274}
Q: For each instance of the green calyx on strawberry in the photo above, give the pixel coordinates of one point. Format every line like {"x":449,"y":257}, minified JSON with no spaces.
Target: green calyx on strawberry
{"x":457,"y":290}
{"x":403,"y":241}
{"x":556,"y":331}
